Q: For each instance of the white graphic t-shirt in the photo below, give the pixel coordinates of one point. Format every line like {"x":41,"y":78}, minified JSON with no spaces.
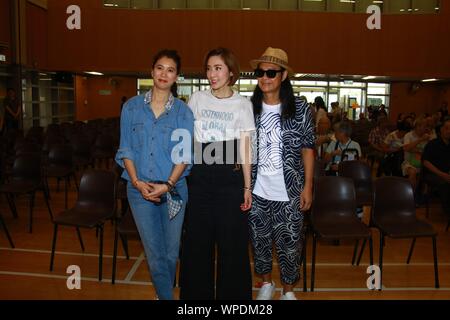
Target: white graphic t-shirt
{"x":270,"y":183}
{"x":220,"y":119}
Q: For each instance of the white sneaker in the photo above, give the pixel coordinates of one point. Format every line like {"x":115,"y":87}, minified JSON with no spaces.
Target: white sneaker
{"x":266,"y":292}
{"x":288,"y":296}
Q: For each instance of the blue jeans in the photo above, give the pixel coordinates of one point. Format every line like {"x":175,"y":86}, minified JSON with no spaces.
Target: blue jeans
{"x":160,"y":238}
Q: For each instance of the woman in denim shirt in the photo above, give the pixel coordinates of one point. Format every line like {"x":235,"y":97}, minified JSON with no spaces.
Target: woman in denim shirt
{"x":155,"y":149}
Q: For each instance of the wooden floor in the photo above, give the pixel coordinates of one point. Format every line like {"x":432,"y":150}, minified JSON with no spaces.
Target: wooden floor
{"x":24,"y":271}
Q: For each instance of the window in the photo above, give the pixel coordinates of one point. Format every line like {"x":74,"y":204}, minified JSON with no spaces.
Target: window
{"x":359,"y":6}
{"x":47,"y":98}
{"x":284,"y":4}
{"x":347,"y":93}
{"x":312,"y":5}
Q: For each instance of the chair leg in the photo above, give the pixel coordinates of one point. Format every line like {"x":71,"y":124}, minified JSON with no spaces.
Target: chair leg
{"x":11,"y":205}
{"x":46,"y":198}
{"x":80,"y":239}
{"x":57,"y":184}
{"x":66,"y":186}
{"x":74,"y":175}
{"x":436,"y":271}
{"x":47,"y":188}
{"x":2,"y":222}
{"x":381,"y":259}
{"x":52,"y":257}
{"x":411,"y":251}
{"x":114,"y":263}
{"x":100,"y":257}
{"x":313,"y":262}
{"x":125,"y":245}
{"x":361,"y":252}
{"x":355,"y":251}
{"x":371,"y":250}
{"x":32,"y":196}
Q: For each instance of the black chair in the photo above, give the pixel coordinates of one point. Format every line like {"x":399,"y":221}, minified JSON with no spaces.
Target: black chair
{"x":361,"y":175}
{"x":104,"y":149}
{"x":96,"y":204}
{"x":60,"y":166}
{"x":82,"y":154}
{"x":8,"y":236}
{"x":397,"y":219}
{"x":319,"y":168}
{"x":125,"y":229}
{"x":26,"y":178}
{"x":333,"y":216}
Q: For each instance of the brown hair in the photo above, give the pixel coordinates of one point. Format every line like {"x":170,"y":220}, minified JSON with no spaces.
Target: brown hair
{"x":229,"y":59}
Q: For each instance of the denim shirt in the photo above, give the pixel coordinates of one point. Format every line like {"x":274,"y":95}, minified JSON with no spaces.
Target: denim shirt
{"x":147,"y":140}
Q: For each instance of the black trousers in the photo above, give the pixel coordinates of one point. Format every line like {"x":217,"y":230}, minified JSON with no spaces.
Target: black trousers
{"x":214,"y":224}
{"x":443,"y":189}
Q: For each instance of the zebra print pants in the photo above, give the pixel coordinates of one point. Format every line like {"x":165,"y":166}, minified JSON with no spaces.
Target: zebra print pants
{"x":279,"y":223}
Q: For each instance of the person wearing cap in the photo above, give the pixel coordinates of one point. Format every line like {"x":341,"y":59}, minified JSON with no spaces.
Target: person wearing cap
{"x":282,"y":178}
{"x":219,"y":188}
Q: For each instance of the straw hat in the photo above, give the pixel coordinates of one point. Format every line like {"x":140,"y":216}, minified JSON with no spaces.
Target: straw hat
{"x":275,"y":56}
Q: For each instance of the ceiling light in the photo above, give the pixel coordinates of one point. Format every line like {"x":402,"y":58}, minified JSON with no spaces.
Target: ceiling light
{"x":94,"y":73}
{"x":429,"y":80}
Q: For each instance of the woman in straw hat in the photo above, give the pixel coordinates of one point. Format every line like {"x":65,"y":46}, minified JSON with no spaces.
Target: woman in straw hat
{"x":219,"y":188}
{"x":282,"y":179}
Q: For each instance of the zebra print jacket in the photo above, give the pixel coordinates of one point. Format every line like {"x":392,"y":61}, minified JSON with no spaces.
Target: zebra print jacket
{"x":297,"y":134}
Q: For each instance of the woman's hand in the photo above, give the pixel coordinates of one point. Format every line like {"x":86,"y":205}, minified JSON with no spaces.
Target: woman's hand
{"x":306,"y":199}
{"x":247,"y":205}
{"x":143,"y":188}
{"x":157,"y":190}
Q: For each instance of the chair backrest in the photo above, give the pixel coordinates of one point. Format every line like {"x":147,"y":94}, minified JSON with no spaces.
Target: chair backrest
{"x":319,"y":169}
{"x":334,"y":197}
{"x":97,"y":188}
{"x":356,"y":170}
{"x":27,"y":166}
{"x":60,"y":155}
{"x":393,"y":198}
{"x":104,"y":142}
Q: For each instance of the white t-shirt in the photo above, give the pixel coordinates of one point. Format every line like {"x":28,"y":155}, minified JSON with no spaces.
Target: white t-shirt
{"x":220,"y":119}
{"x":270,"y":183}
{"x":393,"y":141}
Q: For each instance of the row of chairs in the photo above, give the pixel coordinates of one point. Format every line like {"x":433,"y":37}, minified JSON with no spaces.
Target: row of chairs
{"x":333,"y":217}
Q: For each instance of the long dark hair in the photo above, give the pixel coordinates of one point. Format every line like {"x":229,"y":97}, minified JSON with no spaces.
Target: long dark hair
{"x":171,"y":54}
{"x":287,"y":99}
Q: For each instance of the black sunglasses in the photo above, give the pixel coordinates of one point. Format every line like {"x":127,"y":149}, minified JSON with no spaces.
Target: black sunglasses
{"x":259,"y":73}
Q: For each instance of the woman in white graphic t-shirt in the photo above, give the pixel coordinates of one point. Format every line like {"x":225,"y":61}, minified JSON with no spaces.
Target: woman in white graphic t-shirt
{"x":219,"y":188}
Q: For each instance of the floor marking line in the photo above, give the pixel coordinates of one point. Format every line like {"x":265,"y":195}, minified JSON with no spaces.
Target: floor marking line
{"x":135,"y":267}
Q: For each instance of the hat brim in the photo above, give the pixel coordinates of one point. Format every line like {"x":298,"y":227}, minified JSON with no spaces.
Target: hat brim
{"x":254,"y":64}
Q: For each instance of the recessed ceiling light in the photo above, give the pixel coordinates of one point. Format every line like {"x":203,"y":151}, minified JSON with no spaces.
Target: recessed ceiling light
{"x":429,"y":80}
{"x":94,"y":73}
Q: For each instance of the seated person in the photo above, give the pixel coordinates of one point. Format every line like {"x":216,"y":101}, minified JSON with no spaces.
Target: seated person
{"x":323,"y":136}
{"x":436,"y":162}
{"x":414,"y":143}
{"x":376,"y":140}
{"x":394,"y":149}
{"x":343,"y":146}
